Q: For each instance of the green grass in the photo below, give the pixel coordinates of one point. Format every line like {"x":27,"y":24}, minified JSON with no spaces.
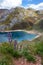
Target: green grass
{"x":28,"y":56}
{"x":27,"y":50}
{"x":6,"y":60}
{"x":35,"y":48}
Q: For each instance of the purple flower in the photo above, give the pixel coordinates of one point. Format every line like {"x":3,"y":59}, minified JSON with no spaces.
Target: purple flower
{"x":9,"y":37}
{"x":15,"y":44}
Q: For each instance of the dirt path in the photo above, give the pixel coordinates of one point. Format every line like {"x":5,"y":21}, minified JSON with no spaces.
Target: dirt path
{"x":22,"y":61}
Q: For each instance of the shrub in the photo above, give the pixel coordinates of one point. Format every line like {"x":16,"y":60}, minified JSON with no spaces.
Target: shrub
{"x":40,"y":48}
{"x":6,"y":48}
{"x":6,"y":60}
{"x":16,"y":54}
{"x":28,"y":56}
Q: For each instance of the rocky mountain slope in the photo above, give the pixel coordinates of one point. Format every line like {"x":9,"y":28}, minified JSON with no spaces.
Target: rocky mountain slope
{"x":19,"y":18}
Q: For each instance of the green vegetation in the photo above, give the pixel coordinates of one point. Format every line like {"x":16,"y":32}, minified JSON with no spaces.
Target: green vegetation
{"x":27,"y":55}
{"x":5,"y":60}
{"x":34,"y":48}
{"x":39,"y":25}
{"x":9,"y":49}
{"x":25,"y":49}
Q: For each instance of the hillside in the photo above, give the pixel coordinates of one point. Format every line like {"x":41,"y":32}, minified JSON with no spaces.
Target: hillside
{"x":19,"y":18}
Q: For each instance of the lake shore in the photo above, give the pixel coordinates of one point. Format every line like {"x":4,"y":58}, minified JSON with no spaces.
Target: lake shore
{"x":30,"y":31}
{"x":38,"y":34}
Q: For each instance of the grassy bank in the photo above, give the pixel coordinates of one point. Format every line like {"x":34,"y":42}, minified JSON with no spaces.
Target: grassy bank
{"x":25,"y":49}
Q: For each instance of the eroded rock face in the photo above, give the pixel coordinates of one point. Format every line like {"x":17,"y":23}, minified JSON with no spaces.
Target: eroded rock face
{"x":3,"y":12}
{"x":2,"y":27}
{"x":3,"y":18}
{"x":8,"y":19}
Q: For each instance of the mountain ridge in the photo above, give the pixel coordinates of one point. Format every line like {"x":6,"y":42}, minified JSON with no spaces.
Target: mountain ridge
{"x":16,"y":16}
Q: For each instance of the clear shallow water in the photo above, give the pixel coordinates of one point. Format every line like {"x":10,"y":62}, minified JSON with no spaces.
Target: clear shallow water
{"x":17,"y":35}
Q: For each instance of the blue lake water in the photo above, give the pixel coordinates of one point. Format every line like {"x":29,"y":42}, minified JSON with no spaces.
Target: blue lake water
{"x":17,"y":35}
